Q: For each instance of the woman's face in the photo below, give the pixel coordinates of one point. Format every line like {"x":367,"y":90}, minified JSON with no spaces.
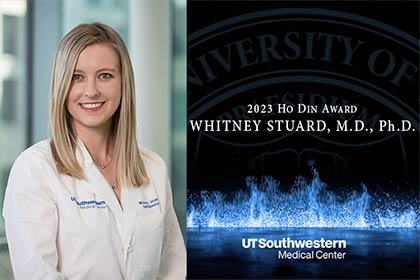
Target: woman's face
{"x":95,"y":91}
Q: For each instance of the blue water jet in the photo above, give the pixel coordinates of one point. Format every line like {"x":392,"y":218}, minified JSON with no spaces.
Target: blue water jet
{"x":309,"y":203}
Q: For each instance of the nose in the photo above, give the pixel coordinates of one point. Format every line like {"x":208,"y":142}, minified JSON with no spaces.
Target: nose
{"x":91,"y":90}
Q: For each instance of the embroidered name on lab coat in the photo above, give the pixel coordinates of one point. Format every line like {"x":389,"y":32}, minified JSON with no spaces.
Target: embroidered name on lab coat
{"x":84,"y":204}
{"x":149,"y":204}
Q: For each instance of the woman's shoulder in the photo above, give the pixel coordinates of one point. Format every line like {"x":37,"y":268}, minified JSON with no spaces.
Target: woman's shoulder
{"x":34,"y":162}
{"x":38,"y":152}
{"x":151,"y":159}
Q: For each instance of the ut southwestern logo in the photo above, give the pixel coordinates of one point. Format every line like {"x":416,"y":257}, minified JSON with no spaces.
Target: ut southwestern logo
{"x":84,"y":204}
{"x":149,"y":204}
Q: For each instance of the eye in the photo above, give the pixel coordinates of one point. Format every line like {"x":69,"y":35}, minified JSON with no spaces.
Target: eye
{"x":77,"y":77}
{"x":105,"y":76}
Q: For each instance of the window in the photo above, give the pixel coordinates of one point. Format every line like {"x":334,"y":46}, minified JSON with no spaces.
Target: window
{"x":13,"y":105}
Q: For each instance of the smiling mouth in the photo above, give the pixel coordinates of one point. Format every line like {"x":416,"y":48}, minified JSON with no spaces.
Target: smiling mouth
{"x":91,"y":105}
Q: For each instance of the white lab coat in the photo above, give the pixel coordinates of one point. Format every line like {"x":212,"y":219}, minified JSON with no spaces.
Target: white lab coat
{"x":59,"y":227}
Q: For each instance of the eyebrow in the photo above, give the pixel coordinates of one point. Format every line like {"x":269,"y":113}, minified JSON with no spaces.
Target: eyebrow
{"x":99,"y":70}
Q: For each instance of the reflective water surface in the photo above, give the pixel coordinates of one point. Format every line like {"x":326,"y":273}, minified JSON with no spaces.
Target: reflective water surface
{"x":217,"y":253}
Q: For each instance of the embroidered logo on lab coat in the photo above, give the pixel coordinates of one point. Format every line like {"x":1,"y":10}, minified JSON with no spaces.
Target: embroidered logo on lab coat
{"x":149,"y":204}
{"x":84,"y":204}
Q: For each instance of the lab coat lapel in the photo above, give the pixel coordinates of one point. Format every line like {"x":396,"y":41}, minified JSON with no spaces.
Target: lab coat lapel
{"x":102,"y":188}
{"x":99,"y":184}
{"x":131,"y":197}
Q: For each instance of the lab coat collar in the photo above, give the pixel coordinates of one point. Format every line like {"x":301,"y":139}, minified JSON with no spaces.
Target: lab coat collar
{"x":126,"y":213}
{"x":100,"y":185}
{"x":82,"y":153}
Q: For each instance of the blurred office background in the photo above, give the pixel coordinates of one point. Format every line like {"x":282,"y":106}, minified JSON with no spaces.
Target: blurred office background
{"x":155,"y":32}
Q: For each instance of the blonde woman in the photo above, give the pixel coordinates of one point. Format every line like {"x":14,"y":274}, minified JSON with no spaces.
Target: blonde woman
{"x":87,"y":203}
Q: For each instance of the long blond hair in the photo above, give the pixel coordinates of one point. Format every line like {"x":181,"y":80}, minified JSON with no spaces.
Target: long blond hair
{"x":129,"y":166}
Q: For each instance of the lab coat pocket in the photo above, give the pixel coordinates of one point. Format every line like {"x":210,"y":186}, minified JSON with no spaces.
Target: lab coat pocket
{"x":148,"y":222}
{"x":83,"y":213}
{"x":147,"y":241}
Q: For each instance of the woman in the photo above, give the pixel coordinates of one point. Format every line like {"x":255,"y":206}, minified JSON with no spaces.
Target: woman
{"x":88,"y":204}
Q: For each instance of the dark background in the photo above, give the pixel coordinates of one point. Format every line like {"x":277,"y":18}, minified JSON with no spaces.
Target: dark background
{"x":221,"y":161}
{"x":387,"y":162}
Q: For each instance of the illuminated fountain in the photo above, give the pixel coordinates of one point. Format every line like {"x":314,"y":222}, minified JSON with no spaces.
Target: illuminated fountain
{"x":309,"y":203}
